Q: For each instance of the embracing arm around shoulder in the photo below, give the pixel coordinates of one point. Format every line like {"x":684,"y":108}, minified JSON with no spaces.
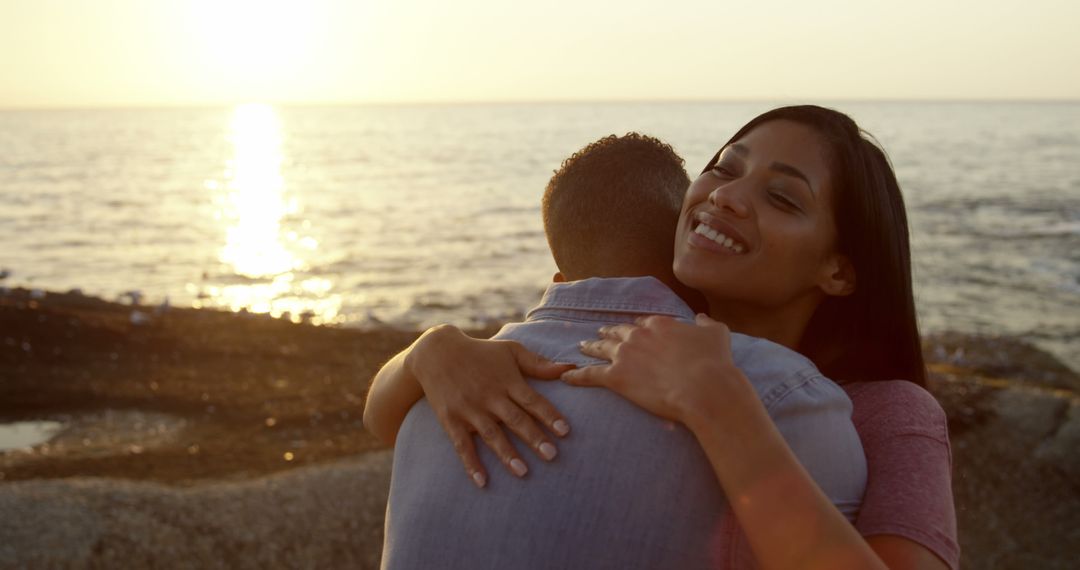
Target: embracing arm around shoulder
{"x":473,"y":386}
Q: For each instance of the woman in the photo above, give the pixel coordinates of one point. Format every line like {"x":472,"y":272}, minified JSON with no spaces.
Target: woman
{"x":814,"y":255}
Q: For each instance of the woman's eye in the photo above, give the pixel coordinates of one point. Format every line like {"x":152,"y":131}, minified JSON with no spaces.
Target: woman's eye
{"x":722,"y":171}
{"x":784,"y":201}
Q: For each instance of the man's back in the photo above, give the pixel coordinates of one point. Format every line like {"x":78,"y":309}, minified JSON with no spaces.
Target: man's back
{"x":628,"y":489}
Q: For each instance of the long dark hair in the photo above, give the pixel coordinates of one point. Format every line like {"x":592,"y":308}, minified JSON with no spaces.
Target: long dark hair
{"x":873,"y":333}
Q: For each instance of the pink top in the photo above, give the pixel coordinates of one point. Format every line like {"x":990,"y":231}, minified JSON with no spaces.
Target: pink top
{"x":909,"y":465}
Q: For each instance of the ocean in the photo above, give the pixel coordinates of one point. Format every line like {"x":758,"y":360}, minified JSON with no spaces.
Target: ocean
{"x":419,"y":214}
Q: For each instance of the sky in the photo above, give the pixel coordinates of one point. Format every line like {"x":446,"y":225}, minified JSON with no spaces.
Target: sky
{"x":82,"y":53}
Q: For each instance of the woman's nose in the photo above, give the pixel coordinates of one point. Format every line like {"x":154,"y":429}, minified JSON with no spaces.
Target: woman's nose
{"x":730,"y":199}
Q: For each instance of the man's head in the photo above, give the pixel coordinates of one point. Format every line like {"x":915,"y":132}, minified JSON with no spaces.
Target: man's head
{"x":611,"y":209}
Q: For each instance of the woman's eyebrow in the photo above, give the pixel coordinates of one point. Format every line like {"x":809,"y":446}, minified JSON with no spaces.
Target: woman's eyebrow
{"x":781,"y":167}
{"x":790,"y":170}
{"x":739,"y":149}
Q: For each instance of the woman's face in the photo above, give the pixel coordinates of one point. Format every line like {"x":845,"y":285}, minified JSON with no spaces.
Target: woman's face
{"x":757,"y":230}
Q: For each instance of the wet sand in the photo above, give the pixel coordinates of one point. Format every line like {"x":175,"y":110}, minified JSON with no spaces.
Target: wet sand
{"x":235,"y":440}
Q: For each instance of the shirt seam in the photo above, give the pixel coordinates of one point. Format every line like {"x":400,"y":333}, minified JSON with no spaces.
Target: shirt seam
{"x":925,"y":539}
{"x":799,"y":380}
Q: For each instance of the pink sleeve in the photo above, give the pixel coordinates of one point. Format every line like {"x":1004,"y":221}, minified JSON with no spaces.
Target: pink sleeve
{"x":909,"y":462}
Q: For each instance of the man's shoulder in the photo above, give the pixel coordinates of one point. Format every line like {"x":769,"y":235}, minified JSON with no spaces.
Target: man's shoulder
{"x":747,"y":349}
{"x":556,"y":340}
{"x":778,"y":372}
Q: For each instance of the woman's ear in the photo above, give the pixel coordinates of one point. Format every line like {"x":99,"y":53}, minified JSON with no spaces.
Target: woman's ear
{"x":838,"y":276}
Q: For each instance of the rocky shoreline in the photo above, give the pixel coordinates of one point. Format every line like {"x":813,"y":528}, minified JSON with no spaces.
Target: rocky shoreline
{"x":197,"y":438}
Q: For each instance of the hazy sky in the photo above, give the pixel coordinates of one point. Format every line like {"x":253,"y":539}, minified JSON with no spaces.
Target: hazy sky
{"x":151,"y":52}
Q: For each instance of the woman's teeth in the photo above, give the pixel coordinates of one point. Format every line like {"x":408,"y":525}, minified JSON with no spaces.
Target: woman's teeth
{"x":719,"y":238}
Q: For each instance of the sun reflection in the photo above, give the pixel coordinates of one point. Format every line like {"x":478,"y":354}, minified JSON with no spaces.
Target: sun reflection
{"x":260,"y":249}
{"x":256,"y":200}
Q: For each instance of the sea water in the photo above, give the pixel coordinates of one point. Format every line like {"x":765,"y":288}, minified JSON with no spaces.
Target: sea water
{"x":26,"y":434}
{"x":412,"y":215}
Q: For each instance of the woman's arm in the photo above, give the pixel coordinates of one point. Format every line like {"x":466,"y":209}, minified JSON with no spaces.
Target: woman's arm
{"x":686,"y":373}
{"x":392,"y":393}
{"x":788,"y":520}
{"x":472,"y":385}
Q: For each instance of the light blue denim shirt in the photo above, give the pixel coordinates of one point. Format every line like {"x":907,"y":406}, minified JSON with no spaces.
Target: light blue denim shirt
{"x":628,"y":490}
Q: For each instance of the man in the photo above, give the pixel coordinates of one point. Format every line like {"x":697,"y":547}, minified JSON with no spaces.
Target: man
{"x":628,"y":490}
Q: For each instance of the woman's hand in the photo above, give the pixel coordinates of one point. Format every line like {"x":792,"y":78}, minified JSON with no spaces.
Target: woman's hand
{"x":474,"y":385}
{"x":671,"y":369}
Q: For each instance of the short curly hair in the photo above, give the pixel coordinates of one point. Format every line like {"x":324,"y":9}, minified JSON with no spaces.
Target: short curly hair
{"x":611,"y":209}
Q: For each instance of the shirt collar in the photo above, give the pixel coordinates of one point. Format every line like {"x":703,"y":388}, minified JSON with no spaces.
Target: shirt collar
{"x":641,"y":295}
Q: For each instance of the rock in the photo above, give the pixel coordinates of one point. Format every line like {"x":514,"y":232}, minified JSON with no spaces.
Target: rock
{"x":1000,"y":357}
{"x":1024,"y":417}
{"x":1062,"y":448}
{"x":1014,"y":472}
{"x":328,"y":516}
{"x":139,"y":318}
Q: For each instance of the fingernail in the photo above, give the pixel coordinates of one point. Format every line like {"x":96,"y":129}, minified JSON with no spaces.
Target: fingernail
{"x":518,"y":467}
{"x":479,"y":479}
{"x":582,"y":343}
{"x":548,"y":451}
{"x":561,"y":427}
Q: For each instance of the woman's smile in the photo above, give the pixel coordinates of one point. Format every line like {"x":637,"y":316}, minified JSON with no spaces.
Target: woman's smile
{"x":711,"y":233}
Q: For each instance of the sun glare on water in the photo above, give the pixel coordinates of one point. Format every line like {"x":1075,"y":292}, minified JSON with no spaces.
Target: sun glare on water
{"x":259,"y":248}
{"x":256,"y":199}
